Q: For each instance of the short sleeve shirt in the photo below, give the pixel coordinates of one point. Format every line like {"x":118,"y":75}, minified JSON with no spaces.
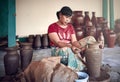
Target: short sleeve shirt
{"x":64,"y":34}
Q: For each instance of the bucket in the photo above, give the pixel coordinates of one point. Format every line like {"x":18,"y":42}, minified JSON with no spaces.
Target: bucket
{"x":82,"y":77}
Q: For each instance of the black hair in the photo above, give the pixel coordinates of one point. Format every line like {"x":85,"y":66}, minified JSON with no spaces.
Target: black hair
{"x":67,"y":11}
{"x":58,"y":14}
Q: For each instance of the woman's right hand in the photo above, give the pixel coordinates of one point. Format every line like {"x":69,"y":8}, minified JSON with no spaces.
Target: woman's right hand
{"x":75,"y":49}
{"x":76,"y":44}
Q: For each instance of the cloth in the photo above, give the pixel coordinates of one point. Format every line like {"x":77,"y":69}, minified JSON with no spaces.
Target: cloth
{"x":63,"y":33}
{"x":48,"y":70}
{"x":68,"y":58}
{"x":87,"y":40}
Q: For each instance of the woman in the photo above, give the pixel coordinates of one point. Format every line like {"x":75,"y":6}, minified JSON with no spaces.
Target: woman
{"x":64,"y":42}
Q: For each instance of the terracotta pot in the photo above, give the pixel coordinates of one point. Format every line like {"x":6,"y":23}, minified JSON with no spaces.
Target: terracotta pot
{"x":11,"y":61}
{"x":93,"y":56}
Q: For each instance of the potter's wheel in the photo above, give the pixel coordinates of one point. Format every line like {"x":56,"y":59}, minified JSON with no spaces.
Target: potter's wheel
{"x":104,"y":77}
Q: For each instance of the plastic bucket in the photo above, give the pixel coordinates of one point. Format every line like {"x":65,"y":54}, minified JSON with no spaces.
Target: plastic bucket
{"x":82,"y":77}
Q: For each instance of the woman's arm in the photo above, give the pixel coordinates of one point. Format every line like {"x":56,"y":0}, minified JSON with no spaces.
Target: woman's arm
{"x":55,"y":39}
{"x":74,"y":41}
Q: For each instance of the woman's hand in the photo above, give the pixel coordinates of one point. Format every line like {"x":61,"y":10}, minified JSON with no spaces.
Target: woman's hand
{"x":75,"y":49}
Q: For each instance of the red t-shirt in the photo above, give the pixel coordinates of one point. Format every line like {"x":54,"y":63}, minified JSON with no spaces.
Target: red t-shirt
{"x":64,"y":34}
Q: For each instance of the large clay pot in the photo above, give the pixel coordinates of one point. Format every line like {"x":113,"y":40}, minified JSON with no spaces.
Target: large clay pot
{"x":37,"y":43}
{"x":11,"y":61}
{"x":93,"y":56}
{"x":26,"y":54}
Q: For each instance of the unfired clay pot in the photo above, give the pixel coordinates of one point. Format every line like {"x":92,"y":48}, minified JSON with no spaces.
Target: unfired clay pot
{"x":93,"y":56}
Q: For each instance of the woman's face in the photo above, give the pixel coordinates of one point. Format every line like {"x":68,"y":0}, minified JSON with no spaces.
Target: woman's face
{"x":65,"y":19}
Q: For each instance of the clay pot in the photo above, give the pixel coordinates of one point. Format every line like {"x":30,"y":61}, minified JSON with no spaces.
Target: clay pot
{"x":11,"y":61}
{"x":91,"y":31}
{"x":93,"y":56}
{"x":77,"y":18}
{"x":79,"y":33}
{"x":45,"y":41}
{"x":37,"y":43}
{"x":111,"y":39}
{"x":86,"y":17}
{"x":26,"y":54}
{"x":100,"y":20}
{"x":106,"y":31}
{"x":98,"y":31}
{"x":26,"y":57}
{"x":93,"y":19}
{"x":31,"y":38}
{"x":25,"y":45}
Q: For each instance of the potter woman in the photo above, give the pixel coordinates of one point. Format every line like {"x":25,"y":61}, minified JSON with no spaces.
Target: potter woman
{"x":63,"y":40}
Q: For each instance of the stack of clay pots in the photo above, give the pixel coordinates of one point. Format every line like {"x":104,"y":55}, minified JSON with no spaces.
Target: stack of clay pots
{"x":78,"y":23}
